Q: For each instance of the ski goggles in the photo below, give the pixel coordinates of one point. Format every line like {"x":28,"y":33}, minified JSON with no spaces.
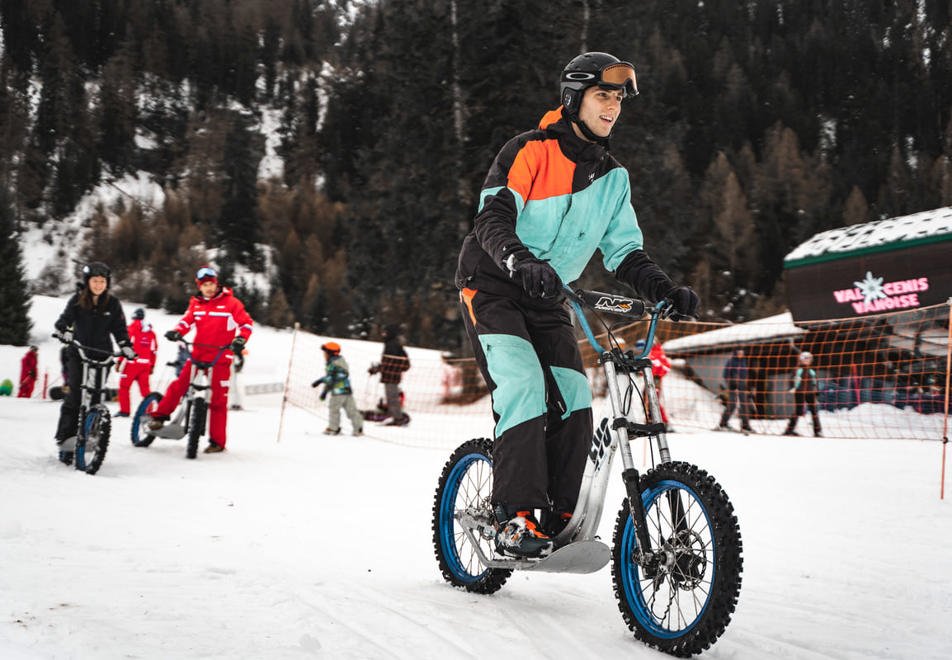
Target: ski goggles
{"x":618,"y":75}
{"x":206,"y":273}
{"x":96,"y":270}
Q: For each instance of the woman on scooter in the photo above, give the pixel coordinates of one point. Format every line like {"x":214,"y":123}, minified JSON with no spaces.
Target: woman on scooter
{"x":219,"y":319}
{"x":90,"y":317}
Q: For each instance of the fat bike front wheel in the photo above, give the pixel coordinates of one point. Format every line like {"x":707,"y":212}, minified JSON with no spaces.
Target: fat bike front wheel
{"x":91,"y":449}
{"x":464,"y":489}
{"x":196,"y":426}
{"x":682,"y":603}
{"x":140,"y":423}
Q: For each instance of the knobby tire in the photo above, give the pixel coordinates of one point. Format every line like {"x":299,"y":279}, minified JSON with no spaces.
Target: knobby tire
{"x":466,"y":483}
{"x":139,"y":434}
{"x":91,"y":450}
{"x":682,"y":607}
{"x":196,"y":426}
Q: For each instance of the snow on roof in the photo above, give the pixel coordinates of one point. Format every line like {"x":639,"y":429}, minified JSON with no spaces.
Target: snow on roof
{"x":775,"y":327}
{"x":905,"y":231}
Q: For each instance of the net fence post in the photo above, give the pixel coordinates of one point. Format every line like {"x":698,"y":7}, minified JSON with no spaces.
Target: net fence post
{"x":945,"y":422}
{"x":287,"y":379}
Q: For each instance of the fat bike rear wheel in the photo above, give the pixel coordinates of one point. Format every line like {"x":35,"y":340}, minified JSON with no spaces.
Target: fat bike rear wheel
{"x":465,"y":487}
{"x":91,"y":449}
{"x":140,"y":423}
{"x":196,"y":426}
{"x":682,"y":604}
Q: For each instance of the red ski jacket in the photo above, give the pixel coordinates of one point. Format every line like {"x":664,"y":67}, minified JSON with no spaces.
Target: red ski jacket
{"x":216,"y":323}
{"x":143,"y":342}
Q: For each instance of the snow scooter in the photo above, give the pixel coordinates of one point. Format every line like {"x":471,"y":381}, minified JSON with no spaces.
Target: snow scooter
{"x":190,"y":415}
{"x":676,"y":550}
{"x":87,"y":450}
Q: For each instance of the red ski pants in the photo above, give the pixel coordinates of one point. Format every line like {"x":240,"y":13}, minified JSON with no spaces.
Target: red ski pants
{"x":217,"y":406}
{"x":132,"y":372}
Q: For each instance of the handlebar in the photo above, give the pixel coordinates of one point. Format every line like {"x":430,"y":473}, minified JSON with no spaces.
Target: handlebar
{"x":632,"y":308}
{"x":190,"y":344}
{"x":82,"y":349}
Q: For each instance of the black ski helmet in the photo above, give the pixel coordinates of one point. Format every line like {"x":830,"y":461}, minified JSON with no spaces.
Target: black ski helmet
{"x":139,"y":314}
{"x":590,"y":69}
{"x":97,"y":269}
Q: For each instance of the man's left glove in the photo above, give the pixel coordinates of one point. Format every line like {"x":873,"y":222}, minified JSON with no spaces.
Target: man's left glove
{"x":323,"y":394}
{"x":127,"y":352}
{"x":684,"y":300}
{"x":237,"y":344}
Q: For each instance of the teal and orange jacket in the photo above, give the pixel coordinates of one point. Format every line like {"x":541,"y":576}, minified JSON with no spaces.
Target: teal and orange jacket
{"x":558,"y":196}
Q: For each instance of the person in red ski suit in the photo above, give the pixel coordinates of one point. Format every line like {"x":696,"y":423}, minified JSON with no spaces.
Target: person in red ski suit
{"x":138,"y":370}
{"x":660,"y":366}
{"x":219,"y":319}
{"x":28,"y":373}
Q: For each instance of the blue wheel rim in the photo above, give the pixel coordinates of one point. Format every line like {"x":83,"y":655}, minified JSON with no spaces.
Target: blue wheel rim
{"x":136,"y":422}
{"x":447,"y":521}
{"x":630,"y":571}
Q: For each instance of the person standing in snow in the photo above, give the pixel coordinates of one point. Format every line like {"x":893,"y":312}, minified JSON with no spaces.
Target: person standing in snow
{"x":336,"y":381}
{"x":219,"y":319}
{"x":138,"y":370}
{"x":737,"y":376}
{"x":804,"y":392}
{"x":393,"y":363}
{"x":90,"y":317}
{"x":27,"y":373}
{"x":552,"y":197}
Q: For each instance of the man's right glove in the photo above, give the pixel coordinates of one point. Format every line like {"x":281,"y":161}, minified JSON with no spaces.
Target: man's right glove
{"x":538,"y":278}
{"x":317,"y":382}
{"x":173,"y":335}
{"x":323,"y":394}
{"x":684,"y":300}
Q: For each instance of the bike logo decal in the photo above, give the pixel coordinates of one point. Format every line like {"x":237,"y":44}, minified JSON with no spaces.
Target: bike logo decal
{"x":600,"y":442}
{"x":613,"y":304}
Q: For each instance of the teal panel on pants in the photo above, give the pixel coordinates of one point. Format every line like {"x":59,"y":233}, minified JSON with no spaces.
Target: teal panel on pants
{"x":575,"y":389}
{"x":520,"y":386}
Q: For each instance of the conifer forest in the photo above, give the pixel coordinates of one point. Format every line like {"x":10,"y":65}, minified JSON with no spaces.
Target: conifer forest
{"x":759,"y":124}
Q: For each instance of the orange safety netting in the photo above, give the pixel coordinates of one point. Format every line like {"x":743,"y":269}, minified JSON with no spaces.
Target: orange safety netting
{"x":879,"y":376}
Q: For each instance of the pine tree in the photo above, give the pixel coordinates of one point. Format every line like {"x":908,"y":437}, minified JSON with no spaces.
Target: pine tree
{"x":15,"y":322}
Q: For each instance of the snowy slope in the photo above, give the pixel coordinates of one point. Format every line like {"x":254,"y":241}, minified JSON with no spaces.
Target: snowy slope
{"x":320,"y":547}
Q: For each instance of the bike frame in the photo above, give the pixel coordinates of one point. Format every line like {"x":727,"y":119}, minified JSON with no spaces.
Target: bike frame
{"x":199,"y":386}
{"x":93,"y":381}
{"x":612,"y":436}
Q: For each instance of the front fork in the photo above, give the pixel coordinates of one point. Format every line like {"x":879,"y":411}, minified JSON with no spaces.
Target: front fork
{"x":624,"y":431}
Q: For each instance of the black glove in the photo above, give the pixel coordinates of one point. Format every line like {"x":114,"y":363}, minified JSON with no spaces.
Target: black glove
{"x":128,"y":352}
{"x":323,"y":394}
{"x":538,"y":278}
{"x":237,"y":344}
{"x":173,"y":335}
{"x":66,"y":336}
{"x":317,"y":382}
{"x":374,"y":368}
{"x":684,"y":301}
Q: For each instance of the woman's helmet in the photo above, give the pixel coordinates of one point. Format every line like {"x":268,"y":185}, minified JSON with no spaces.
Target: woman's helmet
{"x":96,"y":269}
{"x":590,"y":69}
{"x":331,"y":347}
